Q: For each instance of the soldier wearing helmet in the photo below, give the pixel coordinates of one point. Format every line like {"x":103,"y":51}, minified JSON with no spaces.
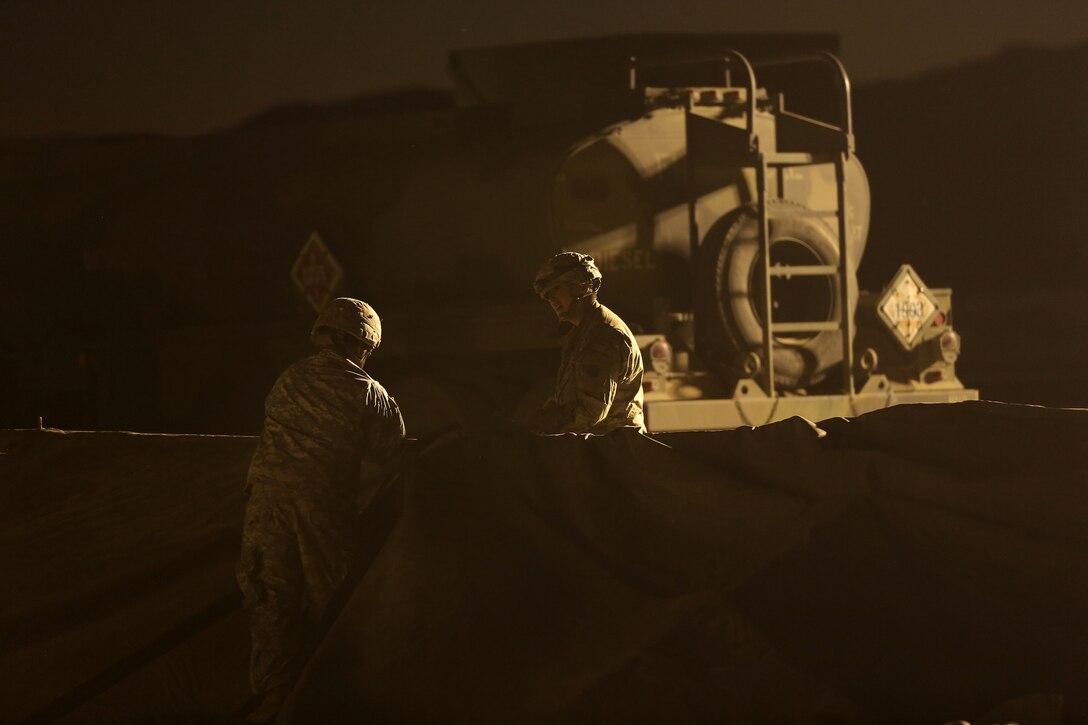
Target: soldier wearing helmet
{"x":599,"y":385}
{"x":325,"y":418}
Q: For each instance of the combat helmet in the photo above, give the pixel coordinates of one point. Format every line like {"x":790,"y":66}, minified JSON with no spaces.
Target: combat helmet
{"x":350,"y":316}
{"x":564,"y":267}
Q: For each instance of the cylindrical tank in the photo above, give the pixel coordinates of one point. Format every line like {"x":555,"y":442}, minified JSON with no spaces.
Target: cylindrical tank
{"x":676,"y":234}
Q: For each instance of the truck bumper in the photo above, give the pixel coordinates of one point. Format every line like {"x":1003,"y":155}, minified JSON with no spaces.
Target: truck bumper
{"x":753,"y":410}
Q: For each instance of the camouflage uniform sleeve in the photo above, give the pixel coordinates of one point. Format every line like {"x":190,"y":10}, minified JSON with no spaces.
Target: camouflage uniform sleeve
{"x":387,"y":435}
{"x":597,"y":373}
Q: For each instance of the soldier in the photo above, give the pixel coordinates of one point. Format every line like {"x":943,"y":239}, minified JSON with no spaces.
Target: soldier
{"x":325,"y":417}
{"x":599,"y":386}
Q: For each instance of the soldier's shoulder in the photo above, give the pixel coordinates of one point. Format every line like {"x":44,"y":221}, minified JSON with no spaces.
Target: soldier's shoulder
{"x":615,"y":322}
{"x":376,"y":393}
{"x":613,"y":332}
{"x":303,"y":363}
{"x":300,"y":370}
{"x":374,"y":387}
{"x":315,"y":363}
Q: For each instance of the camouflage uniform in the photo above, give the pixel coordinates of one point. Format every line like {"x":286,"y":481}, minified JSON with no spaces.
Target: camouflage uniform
{"x":323,"y":417}
{"x":599,"y":387}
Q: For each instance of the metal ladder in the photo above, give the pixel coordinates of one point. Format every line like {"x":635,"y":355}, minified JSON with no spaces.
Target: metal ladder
{"x":837,"y":143}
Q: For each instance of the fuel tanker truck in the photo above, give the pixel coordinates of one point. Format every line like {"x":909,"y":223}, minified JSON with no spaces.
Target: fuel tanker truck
{"x":729,"y":227}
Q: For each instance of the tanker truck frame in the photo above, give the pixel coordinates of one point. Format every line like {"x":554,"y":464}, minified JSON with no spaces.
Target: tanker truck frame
{"x":745,"y":290}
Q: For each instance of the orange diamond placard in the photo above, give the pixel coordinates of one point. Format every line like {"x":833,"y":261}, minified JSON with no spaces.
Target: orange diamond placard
{"x":316,"y":272}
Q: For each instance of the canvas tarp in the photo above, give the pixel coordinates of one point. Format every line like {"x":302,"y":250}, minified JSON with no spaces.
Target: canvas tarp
{"x":917,"y":564}
{"x":109,"y":543}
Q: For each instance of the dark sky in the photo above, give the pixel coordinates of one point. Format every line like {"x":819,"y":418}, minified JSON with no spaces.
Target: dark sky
{"x":188,"y":66}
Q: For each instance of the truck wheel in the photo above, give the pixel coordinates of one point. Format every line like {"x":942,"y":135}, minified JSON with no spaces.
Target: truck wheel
{"x":729,"y":295}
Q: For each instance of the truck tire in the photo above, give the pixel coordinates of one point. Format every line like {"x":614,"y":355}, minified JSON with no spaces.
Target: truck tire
{"x":729,"y":296}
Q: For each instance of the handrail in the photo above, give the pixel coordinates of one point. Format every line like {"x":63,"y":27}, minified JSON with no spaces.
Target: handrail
{"x":725,"y":59}
{"x":844,"y":89}
{"x":845,"y":111}
{"x":846,"y":116}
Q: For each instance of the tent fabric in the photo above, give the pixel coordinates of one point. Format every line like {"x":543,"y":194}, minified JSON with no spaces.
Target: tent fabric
{"x":108,"y":541}
{"x":915,"y":564}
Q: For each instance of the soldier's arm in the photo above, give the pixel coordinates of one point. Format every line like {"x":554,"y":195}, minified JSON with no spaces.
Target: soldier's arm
{"x":391,"y":442}
{"x":383,"y":434}
{"x":386,"y":453}
{"x":596,"y":377}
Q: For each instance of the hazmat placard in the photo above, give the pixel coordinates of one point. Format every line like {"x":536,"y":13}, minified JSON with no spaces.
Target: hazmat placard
{"x":316,"y":271}
{"x":907,"y":306}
